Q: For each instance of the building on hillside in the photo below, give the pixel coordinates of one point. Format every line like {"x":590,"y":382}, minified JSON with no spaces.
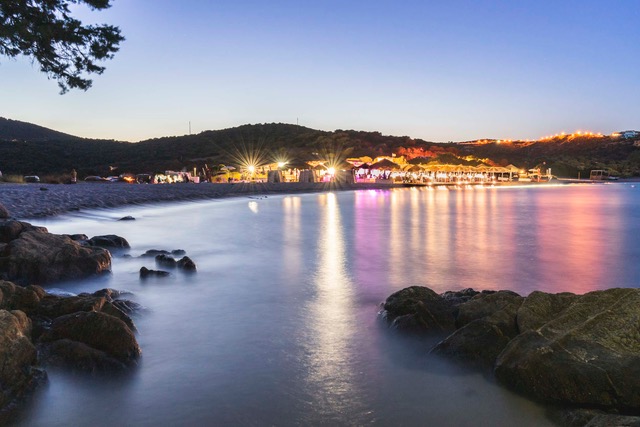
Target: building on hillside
{"x":626,"y":134}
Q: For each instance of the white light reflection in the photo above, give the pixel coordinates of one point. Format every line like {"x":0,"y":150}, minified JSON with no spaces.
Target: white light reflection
{"x":332,"y":316}
{"x":253,"y":206}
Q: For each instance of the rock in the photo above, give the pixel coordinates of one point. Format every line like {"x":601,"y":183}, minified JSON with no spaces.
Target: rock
{"x":52,"y":307}
{"x":127,"y":218}
{"x":152,"y":253}
{"x":500,"y":306}
{"x":11,"y":229}
{"x":419,"y":309}
{"x":587,"y":355}
{"x":109,"y":241}
{"x":18,"y":373}
{"x":100,"y":331}
{"x":185,"y":263}
{"x":78,"y":356}
{"x":540,"y":307}
{"x":4,"y":213}
{"x":592,"y":418}
{"x":487,"y":322}
{"x":166,"y":261}
{"x":38,"y":257}
{"x":145,"y":273}
{"x":18,"y":298}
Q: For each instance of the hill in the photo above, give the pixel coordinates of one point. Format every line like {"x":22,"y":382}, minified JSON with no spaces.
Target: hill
{"x":43,"y":151}
{"x":17,"y":130}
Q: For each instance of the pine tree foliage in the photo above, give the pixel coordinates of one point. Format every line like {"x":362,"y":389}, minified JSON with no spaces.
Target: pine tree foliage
{"x":65,"y":49}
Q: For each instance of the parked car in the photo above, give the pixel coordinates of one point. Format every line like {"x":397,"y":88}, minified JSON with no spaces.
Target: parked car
{"x":32,"y":178}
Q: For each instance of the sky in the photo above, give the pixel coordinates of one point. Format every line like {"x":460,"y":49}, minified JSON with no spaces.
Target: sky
{"x":452,"y":70}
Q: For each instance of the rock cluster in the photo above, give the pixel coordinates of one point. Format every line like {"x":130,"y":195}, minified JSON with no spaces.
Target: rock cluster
{"x":88,"y":332}
{"x":567,"y":350}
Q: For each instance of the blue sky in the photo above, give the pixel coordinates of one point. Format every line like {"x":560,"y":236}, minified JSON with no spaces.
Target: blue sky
{"x":437,"y":70}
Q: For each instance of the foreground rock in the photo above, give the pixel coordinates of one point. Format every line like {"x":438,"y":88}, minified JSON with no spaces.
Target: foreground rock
{"x":87,"y":332}
{"x":578,"y":351}
{"x":31,"y":255}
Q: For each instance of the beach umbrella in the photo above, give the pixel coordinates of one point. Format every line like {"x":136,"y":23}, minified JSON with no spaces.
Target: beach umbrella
{"x":385,"y":164}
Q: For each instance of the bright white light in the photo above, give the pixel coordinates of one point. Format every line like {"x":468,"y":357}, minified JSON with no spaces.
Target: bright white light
{"x":331,"y":171}
{"x":251,"y":168}
{"x":281,"y":164}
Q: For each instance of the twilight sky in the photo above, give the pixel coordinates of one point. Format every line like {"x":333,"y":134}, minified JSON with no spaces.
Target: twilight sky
{"x":450,"y":70}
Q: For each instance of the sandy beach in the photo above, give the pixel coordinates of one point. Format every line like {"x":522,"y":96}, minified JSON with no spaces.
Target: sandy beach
{"x":25,"y":201}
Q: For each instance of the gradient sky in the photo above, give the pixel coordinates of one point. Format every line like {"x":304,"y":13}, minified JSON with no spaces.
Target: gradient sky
{"x":437,"y":70}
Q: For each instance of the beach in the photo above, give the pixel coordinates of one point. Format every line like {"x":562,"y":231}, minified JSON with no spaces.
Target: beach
{"x":25,"y":201}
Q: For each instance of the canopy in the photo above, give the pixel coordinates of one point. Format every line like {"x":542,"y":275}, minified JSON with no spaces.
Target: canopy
{"x":385,"y":164}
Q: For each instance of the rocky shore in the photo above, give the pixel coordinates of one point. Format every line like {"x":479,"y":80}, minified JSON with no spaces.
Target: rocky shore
{"x":579,"y":354}
{"x":26,"y":201}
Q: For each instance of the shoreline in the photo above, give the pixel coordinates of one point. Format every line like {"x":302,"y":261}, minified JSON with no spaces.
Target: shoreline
{"x":31,"y":201}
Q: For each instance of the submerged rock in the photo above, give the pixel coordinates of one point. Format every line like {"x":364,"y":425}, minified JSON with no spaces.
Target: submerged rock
{"x":185,"y":263}
{"x":145,"y":273}
{"x":109,"y":241}
{"x":166,"y":261}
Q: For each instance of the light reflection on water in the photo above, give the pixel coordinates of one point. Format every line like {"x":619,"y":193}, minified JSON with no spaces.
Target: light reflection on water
{"x":279,"y":325}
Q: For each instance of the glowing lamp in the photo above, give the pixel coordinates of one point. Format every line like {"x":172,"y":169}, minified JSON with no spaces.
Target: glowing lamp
{"x":331,"y":171}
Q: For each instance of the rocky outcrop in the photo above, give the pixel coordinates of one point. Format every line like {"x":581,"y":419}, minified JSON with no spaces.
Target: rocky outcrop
{"x":419,"y":309}
{"x":34,"y":256}
{"x":97,"y":330}
{"x":88,"y":332}
{"x":18,"y":371}
{"x":588,"y":354}
{"x":576,"y":351}
{"x":4,"y":213}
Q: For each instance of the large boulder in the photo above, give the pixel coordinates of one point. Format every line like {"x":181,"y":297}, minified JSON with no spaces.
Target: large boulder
{"x":420,"y":309}
{"x":11,"y":229}
{"x":98,"y":330}
{"x":586,"y":354}
{"x":18,"y":374}
{"x":487,"y":323}
{"x":4,"y":213}
{"x":38,"y":257}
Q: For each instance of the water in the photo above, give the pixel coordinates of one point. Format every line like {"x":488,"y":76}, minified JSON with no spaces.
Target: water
{"x":279,"y":326}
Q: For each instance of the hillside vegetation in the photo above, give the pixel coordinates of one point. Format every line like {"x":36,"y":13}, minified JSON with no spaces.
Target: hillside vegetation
{"x":27,"y":149}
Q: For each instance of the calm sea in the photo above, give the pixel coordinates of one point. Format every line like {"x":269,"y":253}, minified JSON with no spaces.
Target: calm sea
{"x":279,"y":326}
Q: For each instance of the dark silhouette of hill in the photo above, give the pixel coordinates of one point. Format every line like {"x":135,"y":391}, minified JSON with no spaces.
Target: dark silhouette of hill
{"x":30,"y":149}
{"x":23,"y":131}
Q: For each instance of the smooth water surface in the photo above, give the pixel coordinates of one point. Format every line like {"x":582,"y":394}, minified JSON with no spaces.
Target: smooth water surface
{"x":279,"y":326}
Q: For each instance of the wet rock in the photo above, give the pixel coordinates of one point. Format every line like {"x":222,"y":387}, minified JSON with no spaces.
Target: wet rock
{"x":166,"y":261}
{"x":587,"y":354}
{"x":18,"y":373}
{"x":127,"y":218}
{"x":109,"y":241}
{"x":185,"y":263}
{"x":152,"y":253}
{"x":78,"y":356}
{"x":419,"y":309}
{"x":38,"y":257}
{"x":591,"y":418}
{"x":98,"y":330}
{"x":53,"y":306}
{"x":11,"y":229}
{"x":4,"y":213}
{"x":14,"y":297}
{"x":145,"y":273}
